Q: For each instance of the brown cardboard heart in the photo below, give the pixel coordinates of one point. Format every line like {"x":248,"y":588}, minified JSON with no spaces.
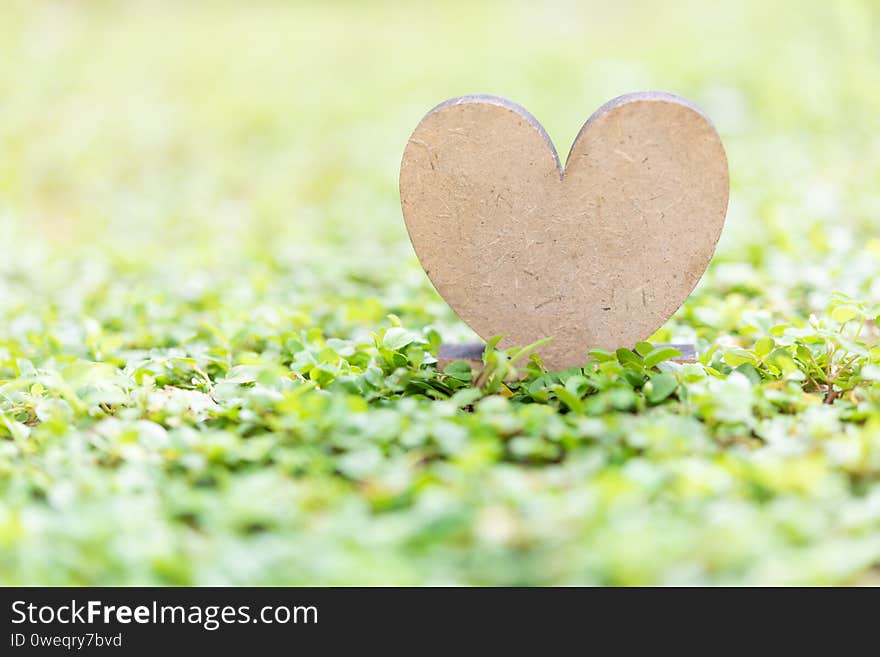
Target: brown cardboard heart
{"x":598,"y":255}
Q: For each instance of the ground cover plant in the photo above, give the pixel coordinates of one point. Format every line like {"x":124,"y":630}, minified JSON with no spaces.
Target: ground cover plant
{"x":218,"y":352}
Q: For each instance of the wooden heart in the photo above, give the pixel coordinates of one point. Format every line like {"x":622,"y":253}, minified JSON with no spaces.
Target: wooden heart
{"x":598,"y":255}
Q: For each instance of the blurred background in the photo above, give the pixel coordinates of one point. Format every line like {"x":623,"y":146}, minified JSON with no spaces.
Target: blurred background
{"x":164,"y":130}
{"x":192,"y":186}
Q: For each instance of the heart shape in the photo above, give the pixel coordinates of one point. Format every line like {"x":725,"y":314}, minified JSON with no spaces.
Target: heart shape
{"x":597,"y":255}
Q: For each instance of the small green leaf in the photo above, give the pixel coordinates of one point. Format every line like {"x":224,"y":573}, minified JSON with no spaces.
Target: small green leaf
{"x":577,"y":385}
{"x":627,"y":356}
{"x":764,"y":346}
{"x":660,"y":387}
{"x":735,"y":357}
{"x":491,"y":346}
{"x":660,"y":354}
{"x":572,"y":401}
{"x":397,"y":338}
{"x":843,"y":314}
{"x":537,"y":386}
{"x":622,"y":399}
{"x":601,"y":355}
{"x":644,"y":348}
{"x":750,"y":372}
{"x":466,"y":397}
{"x":459,"y":369}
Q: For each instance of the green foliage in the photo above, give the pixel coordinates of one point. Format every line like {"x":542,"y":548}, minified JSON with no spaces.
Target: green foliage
{"x":218,"y":355}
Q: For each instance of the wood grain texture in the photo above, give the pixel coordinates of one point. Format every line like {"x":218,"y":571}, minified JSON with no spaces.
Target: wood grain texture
{"x":598,"y":254}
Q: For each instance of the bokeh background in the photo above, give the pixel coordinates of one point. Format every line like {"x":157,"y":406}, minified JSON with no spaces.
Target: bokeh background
{"x":199,"y":183}
{"x":219,"y":128}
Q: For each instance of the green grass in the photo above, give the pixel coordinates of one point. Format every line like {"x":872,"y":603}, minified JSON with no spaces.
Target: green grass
{"x":201,"y":246}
